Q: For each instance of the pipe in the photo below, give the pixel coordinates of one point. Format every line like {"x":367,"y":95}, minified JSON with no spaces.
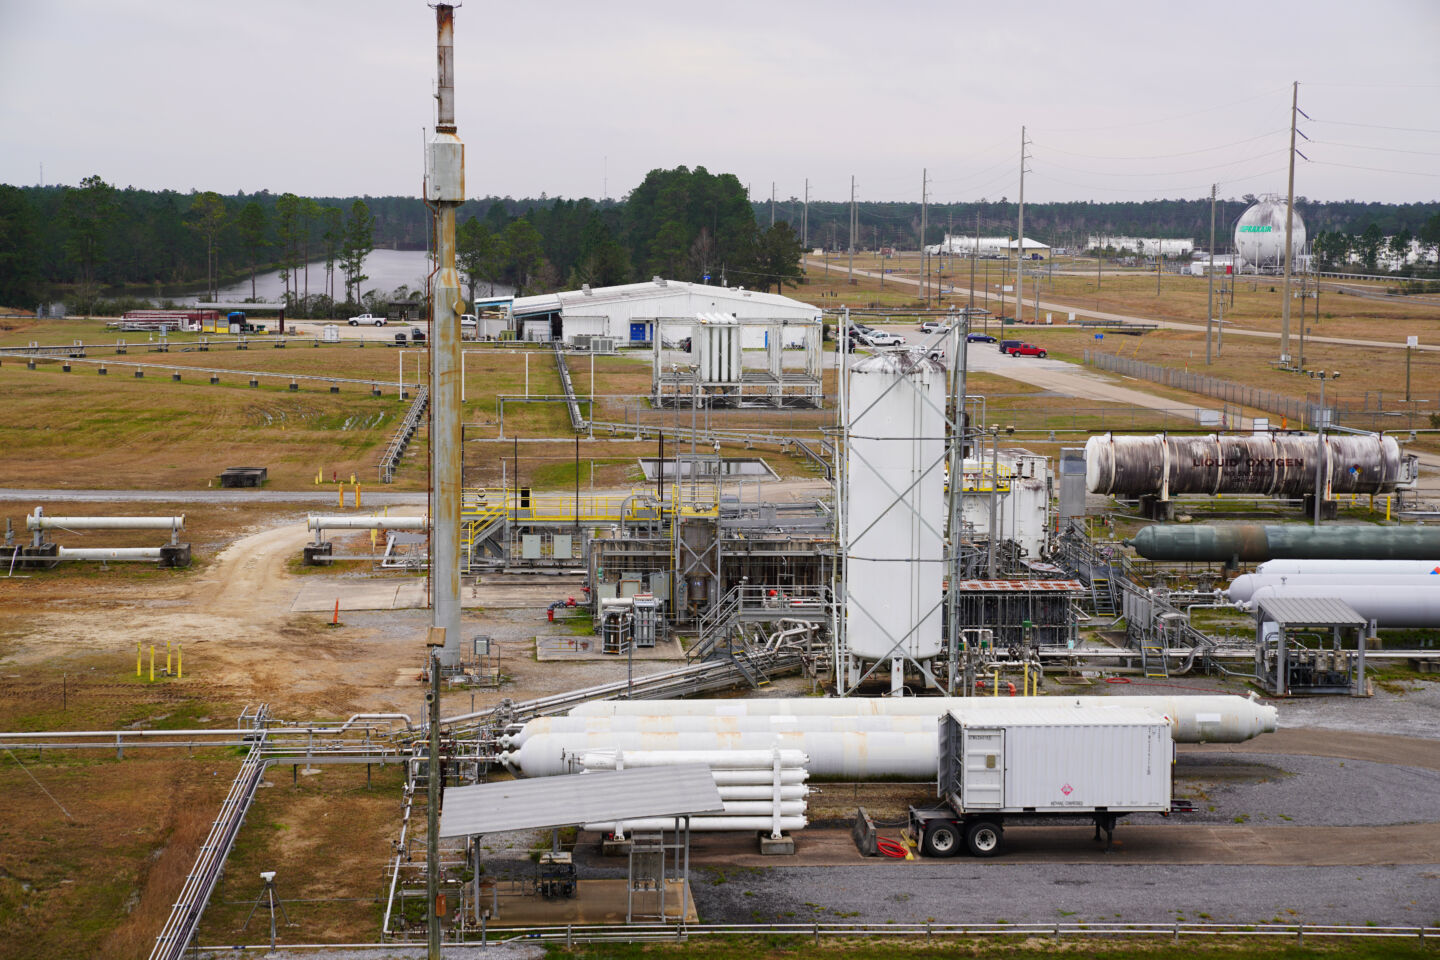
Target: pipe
{"x":38,"y":521}
{"x":314,"y":522}
{"x":716,"y":760}
{"x":109,"y":553}
{"x":1359,"y":568}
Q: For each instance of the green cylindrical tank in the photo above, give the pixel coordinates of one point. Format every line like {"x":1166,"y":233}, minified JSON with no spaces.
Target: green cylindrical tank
{"x":1253,"y":543}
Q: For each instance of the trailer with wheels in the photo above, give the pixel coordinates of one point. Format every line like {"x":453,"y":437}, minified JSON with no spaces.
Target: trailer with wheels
{"x":1094,"y":764}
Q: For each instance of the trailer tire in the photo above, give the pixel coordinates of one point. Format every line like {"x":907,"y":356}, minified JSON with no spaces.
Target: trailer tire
{"x":942,"y":839}
{"x":982,"y":838}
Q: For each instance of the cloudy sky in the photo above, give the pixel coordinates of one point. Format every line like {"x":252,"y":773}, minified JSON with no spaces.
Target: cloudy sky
{"x":1122,"y":101}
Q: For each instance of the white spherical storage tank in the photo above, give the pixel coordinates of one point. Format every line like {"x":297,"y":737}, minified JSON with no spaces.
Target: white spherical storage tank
{"x":895,"y":507}
{"x":1260,"y":234}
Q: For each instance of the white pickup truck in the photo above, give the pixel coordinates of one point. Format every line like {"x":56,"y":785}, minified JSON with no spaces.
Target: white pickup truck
{"x":368,"y":319}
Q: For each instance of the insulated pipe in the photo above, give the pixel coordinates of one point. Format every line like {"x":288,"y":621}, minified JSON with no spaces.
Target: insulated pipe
{"x":1244,"y":587}
{"x":789,"y":776}
{"x":39,"y":521}
{"x":1252,"y":543}
{"x":109,"y":553}
{"x":763,"y":791}
{"x":365,"y":523}
{"x":1220,"y":718}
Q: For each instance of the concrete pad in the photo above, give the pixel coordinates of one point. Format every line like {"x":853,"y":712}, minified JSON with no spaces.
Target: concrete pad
{"x":319,"y":595}
{"x":596,"y":901}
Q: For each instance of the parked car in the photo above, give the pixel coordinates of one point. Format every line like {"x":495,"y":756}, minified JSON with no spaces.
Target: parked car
{"x":880,"y":338}
{"x":979,"y":338}
{"x":1007,"y":345}
{"x":469,"y":320}
{"x":1027,"y":350}
{"x":934,"y":326}
{"x":367,"y":319}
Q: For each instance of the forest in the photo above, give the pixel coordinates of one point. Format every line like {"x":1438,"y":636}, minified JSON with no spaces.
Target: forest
{"x":95,"y":241}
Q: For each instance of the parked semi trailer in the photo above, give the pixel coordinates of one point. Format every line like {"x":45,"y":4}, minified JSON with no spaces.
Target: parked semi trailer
{"x":1094,"y":766}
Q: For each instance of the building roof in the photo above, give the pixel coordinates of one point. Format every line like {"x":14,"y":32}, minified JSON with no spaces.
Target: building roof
{"x":594,"y":797}
{"x":1010,"y":714}
{"x":1309,"y":611}
{"x":705,"y":297}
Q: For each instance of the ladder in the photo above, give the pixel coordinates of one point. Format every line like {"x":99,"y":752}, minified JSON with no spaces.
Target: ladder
{"x":1102,"y":596}
{"x":1152,"y":656}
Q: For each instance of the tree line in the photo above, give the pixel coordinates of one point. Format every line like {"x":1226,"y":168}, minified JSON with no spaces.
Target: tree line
{"x":75,"y":243}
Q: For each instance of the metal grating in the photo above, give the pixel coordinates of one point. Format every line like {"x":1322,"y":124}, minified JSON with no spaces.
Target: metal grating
{"x":1309,"y":612}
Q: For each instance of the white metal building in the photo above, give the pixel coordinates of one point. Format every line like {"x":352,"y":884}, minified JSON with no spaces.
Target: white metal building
{"x":959,"y":245}
{"x":629,"y":312}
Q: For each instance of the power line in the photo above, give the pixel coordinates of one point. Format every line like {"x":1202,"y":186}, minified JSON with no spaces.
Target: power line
{"x":1377,"y":126}
{"x":1365,"y":146}
{"x":1179,"y":116}
{"x":1170,"y":173}
{"x":1163,"y":156}
{"x":1351,"y":166}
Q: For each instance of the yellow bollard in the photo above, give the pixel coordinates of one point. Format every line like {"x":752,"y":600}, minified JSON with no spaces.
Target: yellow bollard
{"x":995,"y":684}
{"x":167,"y":658}
{"x":152,"y":663}
{"x":1025,"y":681}
{"x":319,"y":477}
{"x":357,"y":494}
{"x":1387,"y":508}
{"x":139,"y":655}
{"x":179,"y":664}
{"x":340,"y":489}
{"x":352,"y":478}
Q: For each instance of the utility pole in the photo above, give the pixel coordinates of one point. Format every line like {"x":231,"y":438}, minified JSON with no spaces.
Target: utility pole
{"x":772,"y":203}
{"x":1159,"y":257}
{"x":1210,"y":281}
{"x":975,"y":252}
{"x":1020,"y":254}
{"x":1289,"y":232}
{"x":852,"y":228}
{"x":924,"y":276}
{"x":805,"y":219}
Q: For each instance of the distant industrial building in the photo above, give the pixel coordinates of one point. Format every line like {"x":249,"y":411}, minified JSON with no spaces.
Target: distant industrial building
{"x":629,"y":312}
{"x":1143,"y":246}
{"x":989,"y":247}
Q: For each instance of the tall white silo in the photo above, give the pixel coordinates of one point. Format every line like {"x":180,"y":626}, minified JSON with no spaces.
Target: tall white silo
{"x":1260,"y":235}
{"x":895,"y":509}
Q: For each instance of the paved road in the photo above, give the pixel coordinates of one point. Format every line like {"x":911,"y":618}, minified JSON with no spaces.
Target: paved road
{"x":1230,"y":329}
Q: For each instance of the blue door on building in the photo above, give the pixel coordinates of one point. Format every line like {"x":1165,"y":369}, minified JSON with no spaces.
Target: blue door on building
{"x":637,"y":332}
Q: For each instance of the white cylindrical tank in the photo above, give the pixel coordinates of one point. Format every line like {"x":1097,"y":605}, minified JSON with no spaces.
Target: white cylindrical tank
{"x":109,"y":553}
{"x":1359,"y":568}
{"x":1260,"y":234}
{"x":850,"y":756}
{"x":895,"y":506}
{"x":1388,"y":606}
{"x":1213,"y":718}
{"x":721,"y":760}
{"x":706,"y":824}
{"x":722,"y":726}
{"x":1243,"y":588}
{"x":39,"y":521}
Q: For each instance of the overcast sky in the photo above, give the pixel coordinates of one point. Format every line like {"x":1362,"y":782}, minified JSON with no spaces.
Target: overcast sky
{"x":1123,"y":101}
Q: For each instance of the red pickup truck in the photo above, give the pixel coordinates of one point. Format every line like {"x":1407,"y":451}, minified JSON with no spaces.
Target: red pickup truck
{"x":1026,"y":350}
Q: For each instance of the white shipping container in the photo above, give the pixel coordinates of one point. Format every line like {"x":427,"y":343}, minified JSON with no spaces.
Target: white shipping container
{"x":1032,"y":761}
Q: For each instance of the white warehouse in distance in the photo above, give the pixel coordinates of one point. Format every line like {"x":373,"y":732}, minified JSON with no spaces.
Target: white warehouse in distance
{"x":629,"y":312}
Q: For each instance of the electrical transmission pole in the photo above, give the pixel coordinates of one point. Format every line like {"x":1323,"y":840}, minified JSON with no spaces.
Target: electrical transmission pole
{"x":1289,"y":234}
{"x":924,"y":277}
{"x":852,"y":228}
{"x":1020,"y":253}
{"x":805,"y":219}
{"x":772,"y":203}
{"x":1210,"y":286}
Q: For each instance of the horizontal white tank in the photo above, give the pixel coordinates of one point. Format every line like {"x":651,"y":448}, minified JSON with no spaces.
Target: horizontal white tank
{"x":851,"y":756}
{"x":718,"y":725}
{"x":1243,"y":588}
{"x":365,"y":523}
{"x":1359,"y":568}
{"x":1388,"y":606}
{"x":1213,"y":718}
{"x":705,"y":824}
{"x":789,"y":791}
{"x":36,"y":521}
{"x":730,"y":778}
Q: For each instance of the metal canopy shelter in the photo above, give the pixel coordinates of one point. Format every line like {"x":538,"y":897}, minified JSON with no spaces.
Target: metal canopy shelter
{"x":553,"y":802}
{"x":1285,"y":665}
{"x":547,"y":802}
